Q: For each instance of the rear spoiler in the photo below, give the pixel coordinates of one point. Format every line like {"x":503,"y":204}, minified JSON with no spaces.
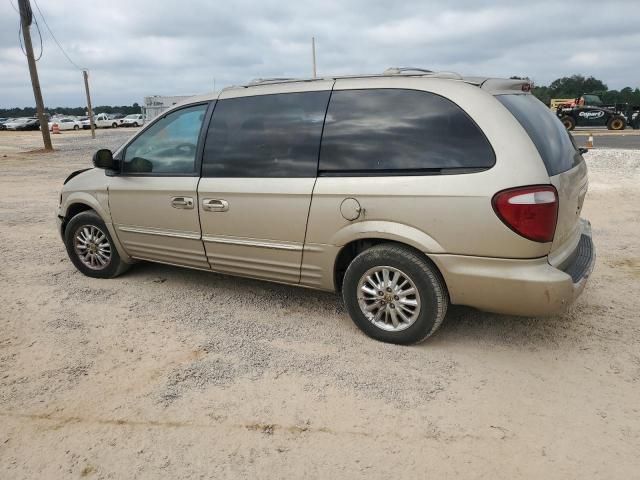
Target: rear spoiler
{"x":499,"y":86}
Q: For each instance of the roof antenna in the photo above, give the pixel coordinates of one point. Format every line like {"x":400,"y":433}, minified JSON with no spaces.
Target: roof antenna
{"x":313,"y":54}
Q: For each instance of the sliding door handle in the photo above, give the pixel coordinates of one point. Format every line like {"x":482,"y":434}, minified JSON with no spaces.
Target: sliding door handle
{"x":215,"y":205}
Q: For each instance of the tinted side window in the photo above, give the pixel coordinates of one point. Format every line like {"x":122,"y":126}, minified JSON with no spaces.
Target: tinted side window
{"x":265,"y":136}
{"x":546,"y":131}
{"x":169,"y":145}
{"x":393,"y":130}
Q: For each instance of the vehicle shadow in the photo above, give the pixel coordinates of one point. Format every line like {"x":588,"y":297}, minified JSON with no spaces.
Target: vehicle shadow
{"x":468,"y":325}
{"x":462,"y":325}
{"x":238,"y":286}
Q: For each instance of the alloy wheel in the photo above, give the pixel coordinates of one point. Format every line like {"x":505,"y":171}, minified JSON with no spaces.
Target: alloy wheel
{"x":388,"y":298}
{"x":92,"y":247}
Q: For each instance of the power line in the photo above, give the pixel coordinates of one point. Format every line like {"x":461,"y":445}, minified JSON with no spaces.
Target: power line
{"x":39,"y":36}
{"x":54,"y":37}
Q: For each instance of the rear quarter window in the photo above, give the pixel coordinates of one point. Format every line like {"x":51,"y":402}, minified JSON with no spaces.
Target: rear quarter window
{"x":399,"y":131}
{"x":546,"y":131}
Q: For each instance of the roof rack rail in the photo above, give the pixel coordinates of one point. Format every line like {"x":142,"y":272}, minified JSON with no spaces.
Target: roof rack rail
{"x":401,"y":70}
{"x":408,"y":71}
{"x":260,"y":81}
{"x":422,"y":72}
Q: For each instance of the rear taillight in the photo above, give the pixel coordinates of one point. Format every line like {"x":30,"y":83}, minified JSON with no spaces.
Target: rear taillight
{"x":529,"y":211}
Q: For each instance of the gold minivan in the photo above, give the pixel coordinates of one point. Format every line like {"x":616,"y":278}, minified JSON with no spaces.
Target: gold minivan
{"x":405,"y":191}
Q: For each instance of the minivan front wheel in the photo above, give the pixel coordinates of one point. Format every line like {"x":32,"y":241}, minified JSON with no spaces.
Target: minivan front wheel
{"x":90,"y":247}
{"x":394,"y":294}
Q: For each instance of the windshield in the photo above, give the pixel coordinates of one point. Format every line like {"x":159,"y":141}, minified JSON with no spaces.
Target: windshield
{"x":131,"y":116}
{"x":546,"y":131}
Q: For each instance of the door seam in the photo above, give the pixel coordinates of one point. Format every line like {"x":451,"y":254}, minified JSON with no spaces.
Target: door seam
{"x":204,"y":248}
{"x":315,"y":181}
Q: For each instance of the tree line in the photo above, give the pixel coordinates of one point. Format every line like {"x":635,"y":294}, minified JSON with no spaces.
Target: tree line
{"x":72,"y":111}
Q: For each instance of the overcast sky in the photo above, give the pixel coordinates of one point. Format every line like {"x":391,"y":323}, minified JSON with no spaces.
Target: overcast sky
{"x":136,"y":48}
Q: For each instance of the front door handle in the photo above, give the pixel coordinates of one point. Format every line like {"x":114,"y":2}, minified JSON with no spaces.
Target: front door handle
{"x":215,"y":205}
{"x":185,"y":203}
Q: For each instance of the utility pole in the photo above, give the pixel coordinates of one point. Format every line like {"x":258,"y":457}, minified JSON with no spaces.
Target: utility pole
{"x":313,"y":53}
{"x":85,"y":74}
{"x":26,"y":17}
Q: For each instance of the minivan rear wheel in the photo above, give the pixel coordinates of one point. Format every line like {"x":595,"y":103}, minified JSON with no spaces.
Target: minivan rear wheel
{"x":90,"y":246}
{"x":394,"y":294}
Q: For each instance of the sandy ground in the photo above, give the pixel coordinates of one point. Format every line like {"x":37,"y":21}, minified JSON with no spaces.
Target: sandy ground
{"x":171,"y":373}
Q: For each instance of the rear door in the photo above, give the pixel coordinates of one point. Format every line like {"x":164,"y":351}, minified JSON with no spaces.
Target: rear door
{"x":259,"y":169}
{"x":565,"y":165}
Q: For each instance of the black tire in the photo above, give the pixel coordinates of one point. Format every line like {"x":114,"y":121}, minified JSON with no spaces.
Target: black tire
{"x":568,"y":122}
{"x":616,"y":123}
{"x":433,"y":296}
{"x":88,"y":219}
{"x":135,"y":124}
{"x":114,"y":125}
{"x":76,"y":127}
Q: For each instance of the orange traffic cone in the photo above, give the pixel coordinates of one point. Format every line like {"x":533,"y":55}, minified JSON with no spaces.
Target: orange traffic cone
{"x":590,"y":141}
{"x":55,"y":128}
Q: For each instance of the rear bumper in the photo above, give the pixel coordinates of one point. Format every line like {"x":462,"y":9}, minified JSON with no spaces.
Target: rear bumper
{"x":518,"y":287}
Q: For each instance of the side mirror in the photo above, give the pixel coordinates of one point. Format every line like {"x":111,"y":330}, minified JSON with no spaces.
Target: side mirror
{"x":103,"y":158}
{"x":583,"y":150}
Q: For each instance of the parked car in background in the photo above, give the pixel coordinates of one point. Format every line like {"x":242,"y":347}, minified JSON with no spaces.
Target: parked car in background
{"x":430,"y":189}
{"x":23,"y":124}
{"x":3,"y":121}
{"x":117,"y":117}
{"x":65,"y":124}
{"x":100,"y":120}
{"x":133,"y":120}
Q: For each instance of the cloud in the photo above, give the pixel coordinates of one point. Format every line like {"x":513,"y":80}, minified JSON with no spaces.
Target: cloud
{"x":147,"y":47}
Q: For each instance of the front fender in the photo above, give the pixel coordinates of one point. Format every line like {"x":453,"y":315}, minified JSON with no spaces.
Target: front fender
{"x":99,"y":202}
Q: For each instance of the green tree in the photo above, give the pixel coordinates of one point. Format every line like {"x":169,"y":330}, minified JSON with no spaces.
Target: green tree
{"x":76,"y":111}
{"x":576,"y":85}
{"x":610,"y":97}
{"x":543,"y":94}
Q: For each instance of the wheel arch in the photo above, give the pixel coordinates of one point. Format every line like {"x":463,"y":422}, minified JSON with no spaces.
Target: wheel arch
{"x":79,"y":202}
{"x":357,"y":237}
{"x":352,"y":249}
{"x":73,"y":210}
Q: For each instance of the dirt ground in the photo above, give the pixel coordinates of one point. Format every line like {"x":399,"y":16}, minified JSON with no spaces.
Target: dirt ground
{"x":171,"y":373}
